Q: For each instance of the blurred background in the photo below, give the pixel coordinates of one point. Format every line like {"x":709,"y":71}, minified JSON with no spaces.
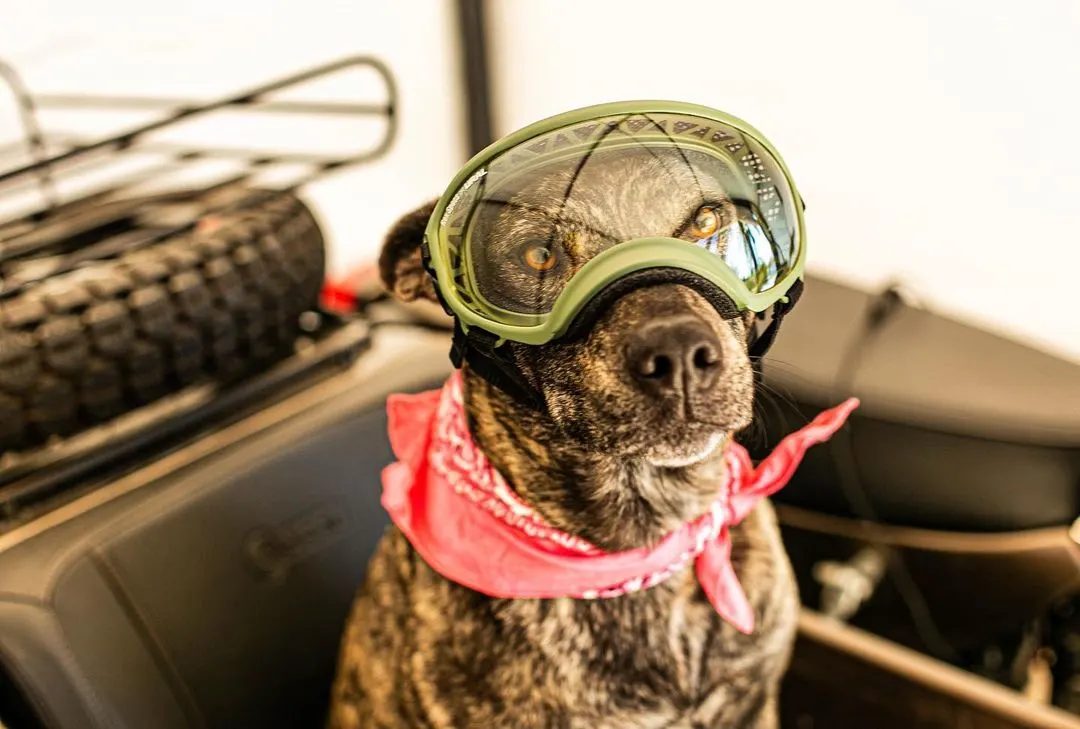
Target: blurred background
{"x":934,"y":142}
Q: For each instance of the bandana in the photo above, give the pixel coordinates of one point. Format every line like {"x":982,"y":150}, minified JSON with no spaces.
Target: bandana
{"x":466,"y":522}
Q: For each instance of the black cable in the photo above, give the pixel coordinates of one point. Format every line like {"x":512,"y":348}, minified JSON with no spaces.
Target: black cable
{"x":887,"y":303}
{"x":475,"y":40}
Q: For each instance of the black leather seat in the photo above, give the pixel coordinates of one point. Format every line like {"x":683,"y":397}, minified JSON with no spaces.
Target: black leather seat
{"x":209,"y":588}
{"x":959,"y":429}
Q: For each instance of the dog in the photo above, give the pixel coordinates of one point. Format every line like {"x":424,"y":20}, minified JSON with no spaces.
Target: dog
{"x":627,"y":449}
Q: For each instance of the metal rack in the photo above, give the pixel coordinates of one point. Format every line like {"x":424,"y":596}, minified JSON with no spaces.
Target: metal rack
{"x":32,"y":251}
{"x":57,"y":154}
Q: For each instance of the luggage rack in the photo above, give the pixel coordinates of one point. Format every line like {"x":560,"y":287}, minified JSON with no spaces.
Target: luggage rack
{"x":32,"y":251}
{"x":54,"y":154}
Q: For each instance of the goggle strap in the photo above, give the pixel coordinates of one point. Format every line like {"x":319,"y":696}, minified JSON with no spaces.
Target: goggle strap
{"x":429,"y":268}
{"x":762,"y":344}
{"x":477,"y":349}
{"x":584,"y":320}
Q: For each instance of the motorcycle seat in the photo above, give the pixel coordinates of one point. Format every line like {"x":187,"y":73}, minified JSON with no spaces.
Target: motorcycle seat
{"x":959,"y":428}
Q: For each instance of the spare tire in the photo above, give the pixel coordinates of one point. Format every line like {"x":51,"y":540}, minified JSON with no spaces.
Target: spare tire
{"x":85,"y":346}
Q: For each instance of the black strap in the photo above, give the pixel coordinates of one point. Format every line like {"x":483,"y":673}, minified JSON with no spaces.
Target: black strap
{"x":762,"y":344}
{"x":602,"y":300}
{"x":478,"y":349}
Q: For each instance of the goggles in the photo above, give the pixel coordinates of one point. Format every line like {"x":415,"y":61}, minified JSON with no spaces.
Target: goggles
{"x":536,"y":227}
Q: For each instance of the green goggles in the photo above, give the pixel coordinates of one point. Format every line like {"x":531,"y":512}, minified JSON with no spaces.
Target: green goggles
{"x":540,"y":223}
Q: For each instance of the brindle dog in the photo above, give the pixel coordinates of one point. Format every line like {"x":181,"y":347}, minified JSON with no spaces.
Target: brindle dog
{"x":628,"y":450}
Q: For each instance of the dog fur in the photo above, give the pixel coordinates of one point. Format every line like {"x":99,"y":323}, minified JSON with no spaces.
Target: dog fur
{"x":606,"y":462}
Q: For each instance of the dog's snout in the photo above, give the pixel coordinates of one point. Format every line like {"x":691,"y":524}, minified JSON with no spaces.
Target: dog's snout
{"x":674,"y":356}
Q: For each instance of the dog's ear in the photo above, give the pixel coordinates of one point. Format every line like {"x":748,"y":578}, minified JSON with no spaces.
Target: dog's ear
{"x":400,"y":266}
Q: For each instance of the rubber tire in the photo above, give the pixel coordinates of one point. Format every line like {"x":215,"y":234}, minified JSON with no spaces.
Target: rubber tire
{"x":86,"y":346}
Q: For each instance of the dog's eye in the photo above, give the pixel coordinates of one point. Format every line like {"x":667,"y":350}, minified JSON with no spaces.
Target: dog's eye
{"x":539,"y":255}
{"x":706,"y":222}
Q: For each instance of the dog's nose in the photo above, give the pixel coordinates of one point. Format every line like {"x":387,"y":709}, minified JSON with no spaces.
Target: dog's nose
{"x":674,"y":356}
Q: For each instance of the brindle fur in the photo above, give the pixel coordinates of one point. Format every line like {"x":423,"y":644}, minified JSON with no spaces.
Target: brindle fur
{"x":608,"y":465}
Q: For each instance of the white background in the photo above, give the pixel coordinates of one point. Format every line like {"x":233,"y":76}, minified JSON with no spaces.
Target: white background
{"x":208,"y":48}
{"x":934,"y":140}
{"x":937,"y":141}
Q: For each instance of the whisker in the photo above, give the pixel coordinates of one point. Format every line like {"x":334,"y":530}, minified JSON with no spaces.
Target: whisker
{"x":770,"y":405}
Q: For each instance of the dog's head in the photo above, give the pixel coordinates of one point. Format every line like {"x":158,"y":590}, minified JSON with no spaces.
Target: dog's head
{"x":657,"y":382}
{"x":660,"y":375}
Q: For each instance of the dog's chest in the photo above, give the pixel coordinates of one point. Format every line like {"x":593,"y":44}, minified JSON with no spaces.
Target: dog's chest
{"x":692,"y":625}
{"x":651,"y":659}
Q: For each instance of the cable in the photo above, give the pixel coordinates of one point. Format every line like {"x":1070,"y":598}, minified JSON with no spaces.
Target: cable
{"x":886,"y":304}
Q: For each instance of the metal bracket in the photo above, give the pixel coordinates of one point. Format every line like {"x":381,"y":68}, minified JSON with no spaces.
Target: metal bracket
{"x":846,"y":586}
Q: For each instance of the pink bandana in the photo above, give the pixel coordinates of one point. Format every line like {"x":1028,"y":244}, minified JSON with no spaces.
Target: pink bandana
{"x":470,"y":527}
